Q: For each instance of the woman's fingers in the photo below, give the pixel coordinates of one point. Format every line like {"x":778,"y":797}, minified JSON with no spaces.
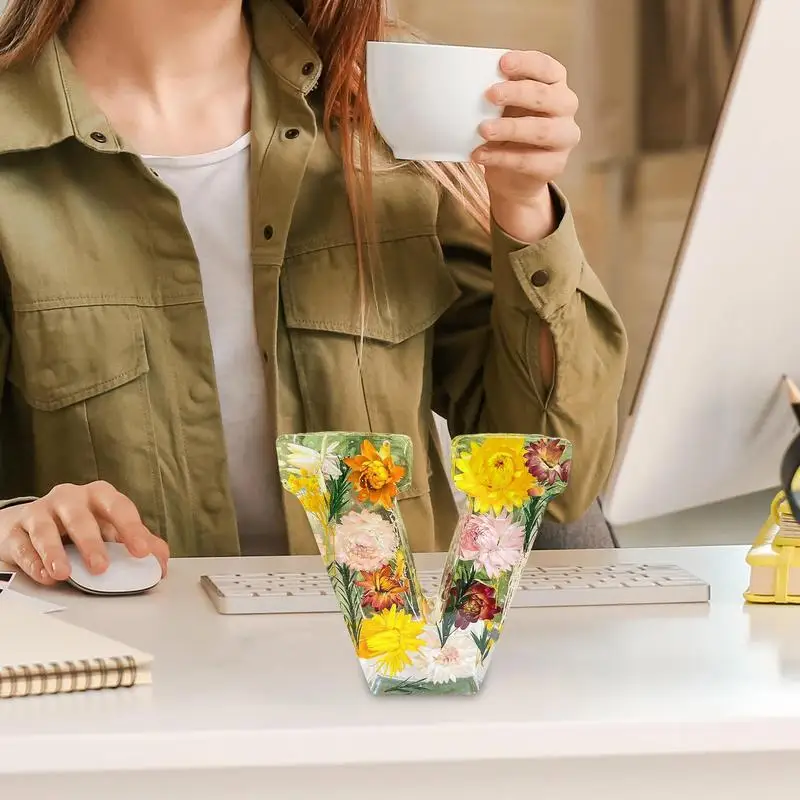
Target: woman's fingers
{"x":20,"y":551}
{"x":538,"y":98}
{"x":45,"y":536}
{"x":160,"y":549}
{"x":32,"y":535}
{"x":541,"y":133}
{"x":120,"y":512}
{"x":69,"y":507}
{"x":533,"y":65}
{"x":115,"y":509}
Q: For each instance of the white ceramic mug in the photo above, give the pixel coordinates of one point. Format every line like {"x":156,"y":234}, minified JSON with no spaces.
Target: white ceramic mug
{"x":428,"y":100}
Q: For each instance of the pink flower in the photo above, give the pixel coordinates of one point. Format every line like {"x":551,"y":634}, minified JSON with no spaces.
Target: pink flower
{"x":365,"y":541}
{"x":493,"y":543}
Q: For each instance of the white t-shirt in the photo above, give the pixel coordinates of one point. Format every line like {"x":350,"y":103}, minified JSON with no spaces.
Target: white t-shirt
{"x":213,"y":190}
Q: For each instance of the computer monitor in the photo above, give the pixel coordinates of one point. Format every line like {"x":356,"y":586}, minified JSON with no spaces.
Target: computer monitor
{"x":710,"y":420}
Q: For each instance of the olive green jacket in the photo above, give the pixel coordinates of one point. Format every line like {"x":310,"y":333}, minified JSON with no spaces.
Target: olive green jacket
{"x":106,"y":367}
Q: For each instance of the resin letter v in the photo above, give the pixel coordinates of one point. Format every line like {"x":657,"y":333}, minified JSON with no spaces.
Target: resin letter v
{"x":349,"y":485}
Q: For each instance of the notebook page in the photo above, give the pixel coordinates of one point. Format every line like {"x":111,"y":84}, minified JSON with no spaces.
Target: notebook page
{"x":28,"y":637}
{"x":10,"y":597}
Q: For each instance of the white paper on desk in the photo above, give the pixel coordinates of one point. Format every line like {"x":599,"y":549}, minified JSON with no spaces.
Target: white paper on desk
{"x":31,"y":603}
{"x":5,"y":580}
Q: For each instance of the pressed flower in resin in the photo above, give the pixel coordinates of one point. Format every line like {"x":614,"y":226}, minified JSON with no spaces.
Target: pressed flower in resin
{"x":365,"y":541}
{"x":546,"y":461}
{"x":474,"y":603}
{"x":454,"y":660}
{"x":306,"y":487}
{"x":494,"y":475}
{"x":383,"y":588}
{"x":305,"y":459}
{"x":390,"y":637}
{"x":493,"y":543}
{"x":374,"y":474}
{"x":407,"y":642}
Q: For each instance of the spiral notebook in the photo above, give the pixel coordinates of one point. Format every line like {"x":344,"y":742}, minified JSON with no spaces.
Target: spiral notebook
{"x":40,"y":654}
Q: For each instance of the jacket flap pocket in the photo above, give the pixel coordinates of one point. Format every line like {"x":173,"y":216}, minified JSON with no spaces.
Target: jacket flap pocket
{"x":66,"y":355}
{"x":410,"y":290}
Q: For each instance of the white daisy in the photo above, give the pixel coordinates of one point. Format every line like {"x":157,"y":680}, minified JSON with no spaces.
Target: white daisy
{"x":456,"y":660}
{"x":313,"y":461}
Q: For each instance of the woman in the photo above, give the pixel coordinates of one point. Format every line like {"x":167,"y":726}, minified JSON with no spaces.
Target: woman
{"x":203,"y":246}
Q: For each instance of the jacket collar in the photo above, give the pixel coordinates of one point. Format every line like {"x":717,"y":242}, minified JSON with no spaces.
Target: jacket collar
{"x":283,"y":42}
{"x":46,"y":102}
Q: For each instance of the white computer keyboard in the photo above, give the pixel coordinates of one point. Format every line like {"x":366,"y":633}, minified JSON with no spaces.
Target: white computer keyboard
{"x":618,"y":584}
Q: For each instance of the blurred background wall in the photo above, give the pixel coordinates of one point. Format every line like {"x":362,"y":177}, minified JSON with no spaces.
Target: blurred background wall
{"x":652,"y":76}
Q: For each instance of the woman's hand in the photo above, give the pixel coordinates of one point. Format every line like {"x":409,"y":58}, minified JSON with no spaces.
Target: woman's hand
{"x":530,"y":145}
{"x":32,"y":535}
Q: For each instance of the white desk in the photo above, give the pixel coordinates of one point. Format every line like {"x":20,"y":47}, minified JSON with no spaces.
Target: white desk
{"x":689,"y":701}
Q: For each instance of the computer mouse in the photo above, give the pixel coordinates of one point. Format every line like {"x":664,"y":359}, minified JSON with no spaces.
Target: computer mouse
{"x":125,"y":574}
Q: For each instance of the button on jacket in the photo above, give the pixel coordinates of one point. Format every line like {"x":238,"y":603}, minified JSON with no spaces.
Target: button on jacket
{"x":106,"y":369}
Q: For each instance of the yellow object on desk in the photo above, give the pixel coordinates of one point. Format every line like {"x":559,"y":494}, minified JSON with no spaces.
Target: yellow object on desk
{"x":774,"y":558}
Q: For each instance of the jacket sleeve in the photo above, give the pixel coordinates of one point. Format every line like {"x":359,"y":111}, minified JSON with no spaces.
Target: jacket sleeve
{"x":5,"y":347}
{"x":486,"y":371}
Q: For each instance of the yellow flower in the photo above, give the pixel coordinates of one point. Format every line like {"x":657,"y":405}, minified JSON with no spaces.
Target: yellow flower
{"x":306,"y":487}
{"x":390,"y":637}
{"x":494,"y":475}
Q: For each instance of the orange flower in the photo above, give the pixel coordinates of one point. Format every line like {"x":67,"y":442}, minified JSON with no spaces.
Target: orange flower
{"x":383,"y":588}
{"x":374,"y":474}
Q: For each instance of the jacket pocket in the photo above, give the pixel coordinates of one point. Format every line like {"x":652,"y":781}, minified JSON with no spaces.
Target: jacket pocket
{"x":80,"y":374}
{"x":407,"y":288}
{"x":387,"y":389}
{"x":67,"y":355}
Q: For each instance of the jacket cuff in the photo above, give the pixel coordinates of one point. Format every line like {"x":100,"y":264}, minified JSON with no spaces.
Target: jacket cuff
{"x":543,"y":276}
{"x":16,"y":501}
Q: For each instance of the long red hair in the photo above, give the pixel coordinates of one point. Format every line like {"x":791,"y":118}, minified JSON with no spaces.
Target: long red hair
{"x":341,"y":30}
